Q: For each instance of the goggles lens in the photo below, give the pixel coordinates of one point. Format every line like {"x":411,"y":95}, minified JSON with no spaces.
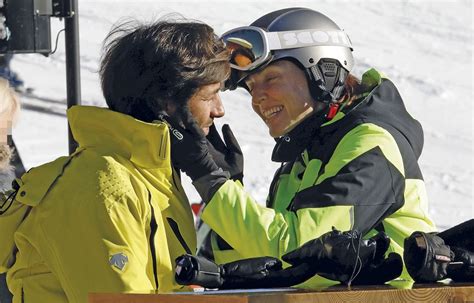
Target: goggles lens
{"x":250,"y":47}
{"x":247,"y":48}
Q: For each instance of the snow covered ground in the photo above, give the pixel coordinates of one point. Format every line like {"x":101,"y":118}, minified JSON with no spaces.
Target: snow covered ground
{"x":425,"y":47}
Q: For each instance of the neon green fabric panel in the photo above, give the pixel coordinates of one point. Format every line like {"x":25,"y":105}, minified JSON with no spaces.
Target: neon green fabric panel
{"x":254,"y":230}
{"x":359,"y":140}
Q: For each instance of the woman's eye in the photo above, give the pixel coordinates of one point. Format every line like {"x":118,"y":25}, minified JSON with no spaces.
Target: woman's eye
{"x":249,"y":86}
{"x":272,"y":77}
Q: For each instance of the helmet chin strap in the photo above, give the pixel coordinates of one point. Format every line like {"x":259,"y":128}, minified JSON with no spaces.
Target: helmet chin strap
{"x":294,"y":122}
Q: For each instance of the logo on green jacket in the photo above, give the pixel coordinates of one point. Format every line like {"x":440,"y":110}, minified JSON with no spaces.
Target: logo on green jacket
{"x":118,"y":260}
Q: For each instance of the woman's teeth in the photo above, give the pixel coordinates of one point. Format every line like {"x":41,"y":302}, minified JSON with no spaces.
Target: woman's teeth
{"x":272,"y":111}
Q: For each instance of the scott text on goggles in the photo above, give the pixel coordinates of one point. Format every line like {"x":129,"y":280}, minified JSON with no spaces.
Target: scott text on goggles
{"x":290,"y":39}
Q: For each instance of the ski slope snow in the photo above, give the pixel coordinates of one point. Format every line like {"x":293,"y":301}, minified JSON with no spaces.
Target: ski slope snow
{"x":425,"y":47}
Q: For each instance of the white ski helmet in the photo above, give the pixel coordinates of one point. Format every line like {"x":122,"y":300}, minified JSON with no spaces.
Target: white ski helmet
{"x":303,"y":35}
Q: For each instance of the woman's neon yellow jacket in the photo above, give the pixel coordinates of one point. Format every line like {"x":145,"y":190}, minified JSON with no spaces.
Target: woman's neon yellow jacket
{"x":112,"y":217}
{"x":358,"y":171}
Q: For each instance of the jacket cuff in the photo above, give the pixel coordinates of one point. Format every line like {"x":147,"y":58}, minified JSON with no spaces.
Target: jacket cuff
{"x":208,"y":185}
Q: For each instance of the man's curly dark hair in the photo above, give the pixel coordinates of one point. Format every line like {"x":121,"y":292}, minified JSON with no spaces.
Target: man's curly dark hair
{"x":145,"y":67}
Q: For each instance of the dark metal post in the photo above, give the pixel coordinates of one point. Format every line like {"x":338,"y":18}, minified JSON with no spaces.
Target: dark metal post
{"x":73,"y":69}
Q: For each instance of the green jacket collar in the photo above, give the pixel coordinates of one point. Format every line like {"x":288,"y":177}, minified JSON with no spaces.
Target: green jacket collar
{"x":370,"y":80}
{"x":109,"y":132}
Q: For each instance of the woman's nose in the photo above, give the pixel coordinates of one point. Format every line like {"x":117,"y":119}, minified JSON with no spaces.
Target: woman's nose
{"x":258,"y":96}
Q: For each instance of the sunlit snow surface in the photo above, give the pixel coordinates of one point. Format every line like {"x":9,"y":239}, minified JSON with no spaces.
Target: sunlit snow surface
{"x":425,"y":47}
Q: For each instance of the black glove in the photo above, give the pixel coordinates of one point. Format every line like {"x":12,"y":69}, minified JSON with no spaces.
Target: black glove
{"x":462,"y":268}
{"x":193,"y":270}
{"x":461,"y":241}
{"x":228,"y":155}
{"x":345,"y":257}
{"x":460,"y":235}
{"x":189,"y":151}
{"x":260,"y":272}
{"x":426,"y":257}
{"x":379,"y":269}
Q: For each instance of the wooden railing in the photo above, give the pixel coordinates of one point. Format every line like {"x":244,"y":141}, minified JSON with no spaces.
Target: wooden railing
{"x":431,"y":293}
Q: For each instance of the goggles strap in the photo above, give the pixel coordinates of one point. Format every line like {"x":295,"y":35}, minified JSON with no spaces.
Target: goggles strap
{"x":339,"y":85}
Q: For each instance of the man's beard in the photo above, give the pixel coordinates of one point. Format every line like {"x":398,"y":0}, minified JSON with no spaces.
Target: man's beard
{"x":5,"y":156}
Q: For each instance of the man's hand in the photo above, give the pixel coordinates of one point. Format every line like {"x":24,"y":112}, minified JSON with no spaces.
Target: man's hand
{"x":227,"y":154}
{"x":189,"y":151}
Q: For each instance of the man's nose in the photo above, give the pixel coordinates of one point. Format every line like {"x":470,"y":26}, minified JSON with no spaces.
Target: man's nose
{"x":217,"y":110}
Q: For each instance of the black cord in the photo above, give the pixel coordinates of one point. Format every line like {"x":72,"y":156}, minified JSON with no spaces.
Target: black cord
{"x":358,"y":262}
{"x":57,"y":38}
{"x":10,"y":199}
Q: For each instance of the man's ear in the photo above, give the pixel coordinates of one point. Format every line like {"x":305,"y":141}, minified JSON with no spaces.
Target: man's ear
{"x":170,"y":108}
{"x":177,"y":112}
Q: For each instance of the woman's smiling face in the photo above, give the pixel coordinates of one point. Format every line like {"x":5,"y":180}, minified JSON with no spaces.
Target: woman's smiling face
{"x":280,"y":96}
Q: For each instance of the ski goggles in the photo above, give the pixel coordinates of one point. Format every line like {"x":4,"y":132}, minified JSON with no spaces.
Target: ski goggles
{"x":250,"y":46}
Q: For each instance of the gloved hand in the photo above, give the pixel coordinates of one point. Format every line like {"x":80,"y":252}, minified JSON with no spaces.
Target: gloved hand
{"x":189,"y":151}
{"x":248,"y":273}
{"x":379,"y":269}
{"x":429,"y":259}
{"x":462,"y":267}
{"x":227,"y":154}
{"x":426,"y":257}
{"x":263,"y":272}
{"x":345,"y":257}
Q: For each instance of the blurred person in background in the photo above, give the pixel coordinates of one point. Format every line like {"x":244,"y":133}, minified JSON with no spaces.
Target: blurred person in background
{"x":7,"y":73}
{"x":9,"y":109}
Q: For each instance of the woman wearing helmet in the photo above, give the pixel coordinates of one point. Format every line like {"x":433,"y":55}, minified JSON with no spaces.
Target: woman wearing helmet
{"x":348,"y":148}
